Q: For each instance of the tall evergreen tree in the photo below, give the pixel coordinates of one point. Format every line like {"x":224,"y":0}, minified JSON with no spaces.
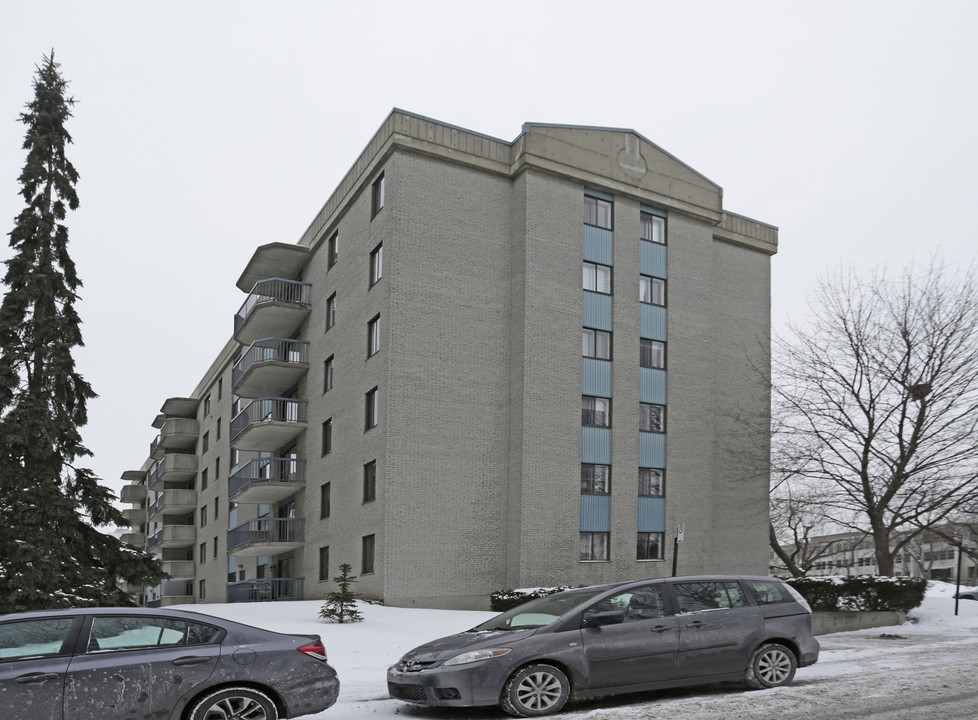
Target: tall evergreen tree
{"x":51,"y":552}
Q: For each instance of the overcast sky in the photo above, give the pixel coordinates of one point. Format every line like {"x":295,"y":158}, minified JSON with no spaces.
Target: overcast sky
{"x":204,"y":129}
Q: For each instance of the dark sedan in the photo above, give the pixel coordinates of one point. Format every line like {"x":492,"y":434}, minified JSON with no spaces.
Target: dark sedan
{"x":614,"y":639}
{"x":115,"y":663}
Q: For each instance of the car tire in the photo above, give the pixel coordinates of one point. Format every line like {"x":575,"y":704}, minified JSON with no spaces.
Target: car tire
{"x":535,"y":690}
{"x":235,"y":702}
{"x":770,"y":666}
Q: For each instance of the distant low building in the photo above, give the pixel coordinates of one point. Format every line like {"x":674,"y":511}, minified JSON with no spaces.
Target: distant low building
{"x":485,"y":365}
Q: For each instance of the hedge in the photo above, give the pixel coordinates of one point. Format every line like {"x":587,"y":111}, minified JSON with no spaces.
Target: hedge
{"x":503,"y":600}
{"x":863,"y":592}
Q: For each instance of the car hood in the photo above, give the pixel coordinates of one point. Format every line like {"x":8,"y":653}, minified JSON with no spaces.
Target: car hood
{"x":443,"y":648}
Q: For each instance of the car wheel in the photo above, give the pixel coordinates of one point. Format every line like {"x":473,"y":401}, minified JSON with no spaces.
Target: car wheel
{"x":770,"y":666}
{"x":237,"y":703}
{"x":535,"y":690}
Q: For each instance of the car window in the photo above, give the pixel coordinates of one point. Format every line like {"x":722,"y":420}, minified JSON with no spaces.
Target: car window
{"x":125,"y":632}
{"x":33,"y":638}
{"x":768,"y":593}
{"x":699,"y":596}
{"x":537,"y":613}
{"x":639,"y":603}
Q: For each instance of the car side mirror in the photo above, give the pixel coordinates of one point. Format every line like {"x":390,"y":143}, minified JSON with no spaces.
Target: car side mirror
{"x":608,"y":617}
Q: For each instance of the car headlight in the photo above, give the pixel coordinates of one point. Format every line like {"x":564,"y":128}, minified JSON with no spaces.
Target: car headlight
{"x":475,"y":655}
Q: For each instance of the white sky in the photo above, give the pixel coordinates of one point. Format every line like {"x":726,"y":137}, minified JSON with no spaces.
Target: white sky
{"x":204,"y":129}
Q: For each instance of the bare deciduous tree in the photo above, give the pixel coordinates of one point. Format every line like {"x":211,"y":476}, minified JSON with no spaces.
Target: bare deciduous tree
{"x":878,"y":396}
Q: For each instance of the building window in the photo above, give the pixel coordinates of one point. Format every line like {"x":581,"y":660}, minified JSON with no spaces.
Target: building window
{"x":217,"y":470}
{"x":652,"y":290}
{"x":216,"y":511}
{"x":651,"y":482}
{"x":649,"y":546}
{"x":215,"y":539}
{"x":377,"y":195}
{"x":324,"y":564}
{"x":597,"y":212}
{"x":370,"y":481}
{"x":652,"y":354}
{"x":201,"y":590}
{"x":594,"y":546}
{"x":652,"y":418}
{"x":367,"y":555}
{"x":329,"y":365}
{"x":327,"y":436}
{"x":371,"y":409}
{"x":330,"y":311}
{"x":203,"y":552}
{"x":595,"y":411}
{"x":376,"y":264}
{"x":373,"y":336}
{"x":207,"y":405}
{"x":597,"y":278}
{"x":220,"y":387}
{"x":218,"y":428}
{"x":203,"y":479}
{"x":653,"y":228}
{"x":206,"y":443}
{"x":332,"y":249}
{"x":324,"y":501}
{"x":595,"y":479}
{"x":203,"y":517}
{"x":596,"y":344}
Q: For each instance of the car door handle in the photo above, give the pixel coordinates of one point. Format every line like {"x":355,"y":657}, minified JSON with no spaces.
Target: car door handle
{"x":696,"y":624}
{"x":661,"y":628}
{"x":191,"y":660}
{"x":31,"y":678}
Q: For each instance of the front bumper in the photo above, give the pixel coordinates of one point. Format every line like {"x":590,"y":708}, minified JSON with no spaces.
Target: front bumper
{"x":470,"y":685}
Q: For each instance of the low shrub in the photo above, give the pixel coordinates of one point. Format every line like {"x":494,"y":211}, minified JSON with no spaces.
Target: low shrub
{"x":869,"y":593}
{"x":503,"y":600}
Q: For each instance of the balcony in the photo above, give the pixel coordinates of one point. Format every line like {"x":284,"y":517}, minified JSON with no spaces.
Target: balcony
{"x":264,"y":537}
{"x":134,"y":538}
{"x":265,"y":590}
{"x":275,"y":307}
{"x":174,"y":467}
{"x":269,"y":422}
{"x":174,"y":592}
{"x":270,"y":366}
{"x":267,"y":480}
{"x":273,"y":260}
{"x":173,"y":502}
{"x":179,"y":569}
{"x":133,"y":493}
{"x":176,"y":433}
{"x":170,"y":536}
{"x":134,"y":516}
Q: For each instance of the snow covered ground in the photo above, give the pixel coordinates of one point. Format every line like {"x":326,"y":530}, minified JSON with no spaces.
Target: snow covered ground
{"x":925,"y":668}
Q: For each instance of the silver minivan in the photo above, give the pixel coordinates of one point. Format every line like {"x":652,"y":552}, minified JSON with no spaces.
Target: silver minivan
{"x":613,"y":639}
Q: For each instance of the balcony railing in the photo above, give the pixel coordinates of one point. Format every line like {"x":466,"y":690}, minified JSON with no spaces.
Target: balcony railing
{"x":265,"y":589}
{"x":283,"y":298}
{"x":267,"y":480}
{"x":268,"y":422}
{"x":270,"y":366}
{"x":266,"y":532}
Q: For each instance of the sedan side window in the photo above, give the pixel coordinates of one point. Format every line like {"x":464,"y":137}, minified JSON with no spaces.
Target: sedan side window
{"x":641,"y":603}
{"x":33,"y":638}
{"x":124,"y":632}
{"x":699,"y":596}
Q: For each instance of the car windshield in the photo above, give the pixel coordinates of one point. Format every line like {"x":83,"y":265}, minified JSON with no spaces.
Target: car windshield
{"x":539,"y":612}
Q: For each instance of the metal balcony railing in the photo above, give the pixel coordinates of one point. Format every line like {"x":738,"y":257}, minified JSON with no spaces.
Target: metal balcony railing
{"x":295,"y":352}
{"x":265,"y":589}
{"x":273,"y":290}
{"x":266,"y":530}
{"x":275,"y":409}
{"x":284,"y":470}
{"x":153,"y":446}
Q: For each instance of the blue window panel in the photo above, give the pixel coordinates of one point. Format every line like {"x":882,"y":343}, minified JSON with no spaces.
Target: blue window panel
{"x":661,"y":213}
{"x":653,"y":322}
{"x":597,"y":378}
{"x":595,"y":513}
{"x":651,"y":449}
{"x":651,"y":386}
{"x":599,"y":245}
{"x":599,"y":194}
{"x":652,"y":258}
{"x":597,"y":311}
{"x":596,"y":446}
{"x":651,"y":514}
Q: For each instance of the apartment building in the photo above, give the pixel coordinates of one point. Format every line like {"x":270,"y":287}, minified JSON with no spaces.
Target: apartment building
{"x":403,"y":389}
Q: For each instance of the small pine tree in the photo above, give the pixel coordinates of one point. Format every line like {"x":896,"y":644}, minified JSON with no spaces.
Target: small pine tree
{"x":51,"y":552}
{"x":341,"y":605}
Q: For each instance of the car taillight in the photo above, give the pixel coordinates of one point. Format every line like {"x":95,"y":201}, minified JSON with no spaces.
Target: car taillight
{"x":315,"y":650}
